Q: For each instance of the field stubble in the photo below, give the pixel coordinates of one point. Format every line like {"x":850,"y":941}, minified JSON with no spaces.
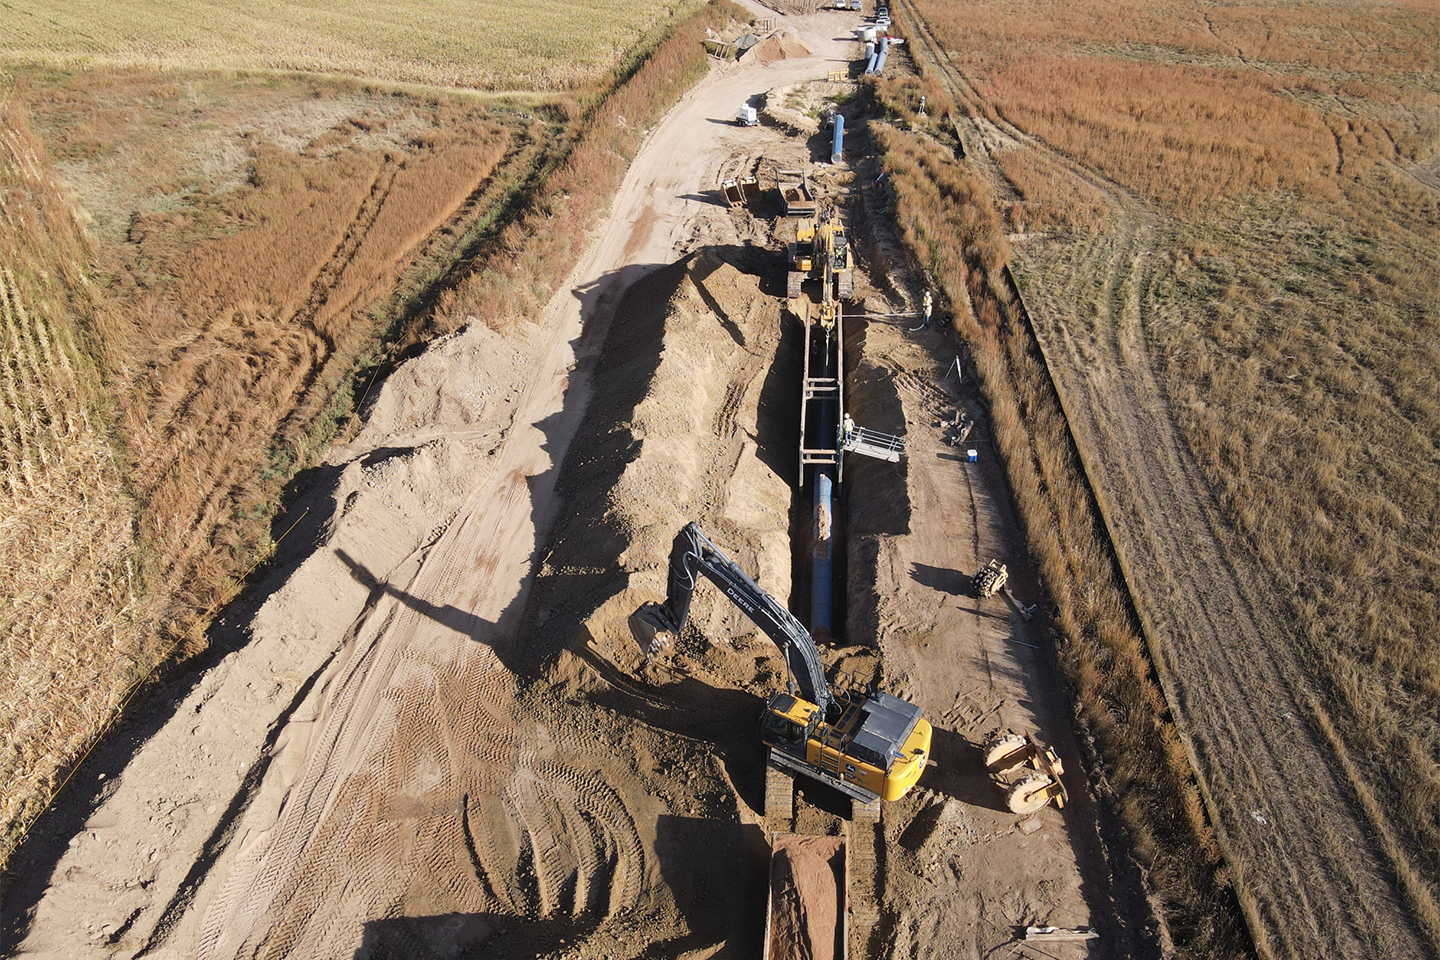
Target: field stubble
{"x":550,"y":46}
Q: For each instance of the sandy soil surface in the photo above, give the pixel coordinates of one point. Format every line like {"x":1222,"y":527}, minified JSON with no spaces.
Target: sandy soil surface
{"x":433,"y":738}
{"x":1287,"y":807}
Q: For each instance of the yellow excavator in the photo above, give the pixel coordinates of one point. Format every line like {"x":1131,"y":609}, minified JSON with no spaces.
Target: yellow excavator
{"x":821,"y":252}
{"x":867,"y":744}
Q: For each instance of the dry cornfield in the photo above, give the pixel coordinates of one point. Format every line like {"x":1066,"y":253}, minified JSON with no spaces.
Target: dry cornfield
{"x":74,"y":612}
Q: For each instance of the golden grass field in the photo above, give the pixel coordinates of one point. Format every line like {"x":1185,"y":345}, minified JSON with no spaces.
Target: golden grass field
{"x":1246,"y":196}
{"x":185,"y":229}
{"x":554,"y":46}
{"x":73,"y":607}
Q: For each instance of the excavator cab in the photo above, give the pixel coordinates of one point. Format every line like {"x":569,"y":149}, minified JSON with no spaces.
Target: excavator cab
{"x":788,"y":720}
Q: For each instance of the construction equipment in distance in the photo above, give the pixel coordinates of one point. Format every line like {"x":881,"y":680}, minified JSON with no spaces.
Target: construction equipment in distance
{"x":867,"y":744}
{"x":821,"y":252}
{"x":1025,"y":770}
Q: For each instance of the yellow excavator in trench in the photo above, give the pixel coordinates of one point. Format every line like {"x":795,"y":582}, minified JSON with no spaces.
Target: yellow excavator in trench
{"x":867,"y":744}
{"x":821,"y":252}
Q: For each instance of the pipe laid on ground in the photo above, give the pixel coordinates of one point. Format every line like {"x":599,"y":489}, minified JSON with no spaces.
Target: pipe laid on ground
{"x":822,"y":573}
{"x":835,"y":152}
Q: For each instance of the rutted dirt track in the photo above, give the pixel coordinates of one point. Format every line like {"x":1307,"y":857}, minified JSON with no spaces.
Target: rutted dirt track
{"x":432,"y":740}
{"x":1302,"y":849}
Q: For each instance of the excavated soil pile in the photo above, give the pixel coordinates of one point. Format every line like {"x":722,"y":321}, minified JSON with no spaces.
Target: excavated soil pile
{"x":805,"y":883}
{"x":671,"y":436}
{"x":681,"y":425}
{"x":777,"y":46}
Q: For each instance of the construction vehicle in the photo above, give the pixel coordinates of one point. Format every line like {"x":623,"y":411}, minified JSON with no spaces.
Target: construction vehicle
{"x":1026,"y":771}
{"x":821,"y":252}
{"x":990,"y":580}
{"x":994,"y":578}
{"x":867,"y":744}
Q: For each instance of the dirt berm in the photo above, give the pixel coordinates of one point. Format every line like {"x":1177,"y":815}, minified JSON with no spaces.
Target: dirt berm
{"x":699,"y":431}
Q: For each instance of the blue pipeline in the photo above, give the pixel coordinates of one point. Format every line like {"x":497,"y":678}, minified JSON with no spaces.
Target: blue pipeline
{"x":880,"y":62}
{"x":870,"y":63}
{"x":839,"y":139}
{"x":822,"y":570}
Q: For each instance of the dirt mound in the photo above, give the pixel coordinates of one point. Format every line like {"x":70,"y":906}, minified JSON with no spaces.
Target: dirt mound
{"x":806,"y":889}
{"x":777,"y":46}
{"x":673,"y":435}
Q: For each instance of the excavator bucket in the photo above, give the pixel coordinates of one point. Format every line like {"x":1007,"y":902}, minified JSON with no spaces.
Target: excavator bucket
{"x":650,"y":627}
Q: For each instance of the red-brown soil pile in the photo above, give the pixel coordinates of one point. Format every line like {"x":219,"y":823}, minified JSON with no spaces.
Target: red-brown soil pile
{"x":805,"y":902}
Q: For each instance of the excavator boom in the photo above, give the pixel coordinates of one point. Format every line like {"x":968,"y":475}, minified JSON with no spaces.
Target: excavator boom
{"x":863,"y":742}
{"x":693,"y":553}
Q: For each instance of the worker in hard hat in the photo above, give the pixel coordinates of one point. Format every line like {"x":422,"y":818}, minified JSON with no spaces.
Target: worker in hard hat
{"x":847,"y":430}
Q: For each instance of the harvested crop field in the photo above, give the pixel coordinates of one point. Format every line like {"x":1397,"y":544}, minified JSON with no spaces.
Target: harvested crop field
{"x":429,"y":732}
{"x":560,"y":46}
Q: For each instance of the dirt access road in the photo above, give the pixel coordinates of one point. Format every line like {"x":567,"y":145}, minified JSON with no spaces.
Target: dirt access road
{"x":406,"y":753}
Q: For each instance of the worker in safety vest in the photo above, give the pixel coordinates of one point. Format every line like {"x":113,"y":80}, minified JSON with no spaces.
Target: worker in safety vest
{"x":847,"y":429}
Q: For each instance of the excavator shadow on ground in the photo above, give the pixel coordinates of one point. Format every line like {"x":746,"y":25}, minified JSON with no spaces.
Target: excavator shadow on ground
{"x":686,"y":706}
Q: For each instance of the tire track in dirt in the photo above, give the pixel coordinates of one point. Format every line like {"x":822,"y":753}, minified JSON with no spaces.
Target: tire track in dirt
{"x":1297,"y":837}
{"x":1238,"y":700}
{"x":329,"y":860}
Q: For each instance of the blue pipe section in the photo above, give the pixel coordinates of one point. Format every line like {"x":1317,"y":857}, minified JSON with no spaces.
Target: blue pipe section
{"x":869,"y":50}
{"x":870,"y":64}
{"x":822,"y":575}
{"x":835,"y":152}
{"x":880,"y":62}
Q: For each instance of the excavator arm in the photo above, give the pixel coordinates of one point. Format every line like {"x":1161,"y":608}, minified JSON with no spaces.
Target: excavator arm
{"x":694,"y":553}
